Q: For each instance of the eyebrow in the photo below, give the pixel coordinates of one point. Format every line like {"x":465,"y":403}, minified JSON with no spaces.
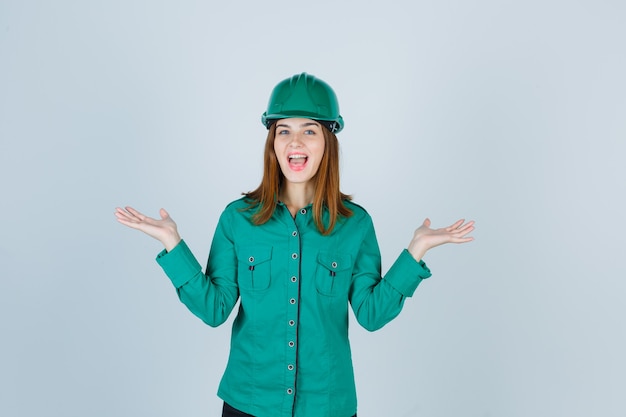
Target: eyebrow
{"x":302,"y":125}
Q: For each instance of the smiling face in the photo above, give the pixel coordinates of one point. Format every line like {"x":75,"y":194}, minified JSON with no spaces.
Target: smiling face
{"x":299,"y":148}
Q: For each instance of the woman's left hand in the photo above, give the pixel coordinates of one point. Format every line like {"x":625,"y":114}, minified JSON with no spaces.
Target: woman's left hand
{"x":426,"y":238}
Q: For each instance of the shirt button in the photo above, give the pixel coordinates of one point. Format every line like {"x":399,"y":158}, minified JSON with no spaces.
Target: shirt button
{"x":251,"y":259}
{"x":290,"y":367}
{"x":334,"y":264}
{"x":289,"y":391}
{"x":303,"y":211}
{"x":294,"y":256}
{"x":291,"y":322}
{"x":294,"y":233}
{"x":294,"y":279}
{"x":291,"y":343}
{"x":292,"y":301}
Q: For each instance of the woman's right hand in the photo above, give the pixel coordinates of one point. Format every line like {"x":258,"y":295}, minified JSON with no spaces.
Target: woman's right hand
{"x":163,"y":230}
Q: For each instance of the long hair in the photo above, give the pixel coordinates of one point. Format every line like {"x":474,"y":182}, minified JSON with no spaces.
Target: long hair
{"x":327,"y":192}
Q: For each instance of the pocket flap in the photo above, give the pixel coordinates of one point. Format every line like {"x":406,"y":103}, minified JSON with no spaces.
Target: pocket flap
{"x":334,"y":261}
{"x":254,"y":255}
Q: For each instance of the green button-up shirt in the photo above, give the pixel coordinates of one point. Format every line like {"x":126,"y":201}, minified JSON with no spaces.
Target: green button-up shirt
{"x":290,"y":354}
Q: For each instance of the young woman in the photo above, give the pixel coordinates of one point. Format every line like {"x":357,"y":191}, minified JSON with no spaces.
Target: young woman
{"x":296,"y":251}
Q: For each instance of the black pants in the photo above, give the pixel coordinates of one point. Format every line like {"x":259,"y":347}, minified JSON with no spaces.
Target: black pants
{"x":229,"y":411}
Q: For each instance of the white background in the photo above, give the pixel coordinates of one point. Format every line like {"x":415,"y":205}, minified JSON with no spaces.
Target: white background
{"x":511,"y":113}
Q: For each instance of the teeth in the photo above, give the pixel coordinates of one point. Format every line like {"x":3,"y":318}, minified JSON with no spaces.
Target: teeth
{"x":297,"y":156}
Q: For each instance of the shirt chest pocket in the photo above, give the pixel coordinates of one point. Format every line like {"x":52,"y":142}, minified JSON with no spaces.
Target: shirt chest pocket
{"x":334,"y":273}
{"x":254,"y":268}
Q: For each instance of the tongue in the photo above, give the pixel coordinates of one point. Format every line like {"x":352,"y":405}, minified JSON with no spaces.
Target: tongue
{"x":297,"y":161}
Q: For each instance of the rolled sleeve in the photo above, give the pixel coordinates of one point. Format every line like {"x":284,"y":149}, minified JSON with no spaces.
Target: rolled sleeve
{"x":179,"y":264}
{"x":406,"y":274}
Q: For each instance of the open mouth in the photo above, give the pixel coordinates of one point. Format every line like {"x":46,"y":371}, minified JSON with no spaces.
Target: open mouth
{"x":297,"y":162}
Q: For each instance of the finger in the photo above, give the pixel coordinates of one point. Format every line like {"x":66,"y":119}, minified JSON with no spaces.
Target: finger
{"x":164,"y":214}
{"x":131,"y":215}
{"x":455,"y":225}
{"x":135,"y":213}
{"x":426,"y":222}
{"x":126,"y":222}
{"x":120,"y":210}
{"x":466,"y":226}
{"x":463,"y":232}
{"x":123,"y":214}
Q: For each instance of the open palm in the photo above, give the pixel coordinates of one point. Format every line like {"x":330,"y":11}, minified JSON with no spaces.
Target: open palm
{"x":163,"y":229}
{"x":426,"y":238}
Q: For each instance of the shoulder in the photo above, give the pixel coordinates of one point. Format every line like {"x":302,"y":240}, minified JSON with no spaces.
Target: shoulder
{"x":358,"y":212}
{"x":237,"y":209}
{"x":238,"y":205}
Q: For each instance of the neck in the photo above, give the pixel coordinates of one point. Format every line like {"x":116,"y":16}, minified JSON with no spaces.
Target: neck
{"x":297,"y":196}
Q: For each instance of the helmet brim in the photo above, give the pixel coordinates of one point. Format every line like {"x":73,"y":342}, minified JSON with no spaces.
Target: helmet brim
{"x":334,"y":125}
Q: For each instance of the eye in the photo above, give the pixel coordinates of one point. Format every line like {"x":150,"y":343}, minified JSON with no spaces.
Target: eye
{"x":309,"y":132}
{"x":283,"y":132}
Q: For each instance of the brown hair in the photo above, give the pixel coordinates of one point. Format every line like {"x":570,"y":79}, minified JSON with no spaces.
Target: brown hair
{"x":327,"y":193}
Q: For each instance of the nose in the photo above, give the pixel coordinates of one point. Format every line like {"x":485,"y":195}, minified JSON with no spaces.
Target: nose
{"x":296,"y":141}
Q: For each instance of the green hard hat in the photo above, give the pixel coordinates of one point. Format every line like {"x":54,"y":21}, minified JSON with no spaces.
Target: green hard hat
{"x":307,"y":97}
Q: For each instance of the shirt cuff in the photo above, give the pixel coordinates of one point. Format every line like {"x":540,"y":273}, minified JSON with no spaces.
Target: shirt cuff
{"x":406,"y":274}
{"x":179,"y":264}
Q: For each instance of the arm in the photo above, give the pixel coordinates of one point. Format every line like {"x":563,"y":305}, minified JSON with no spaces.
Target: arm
{"x":210,"y":296}
{"x":376,"y":300}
